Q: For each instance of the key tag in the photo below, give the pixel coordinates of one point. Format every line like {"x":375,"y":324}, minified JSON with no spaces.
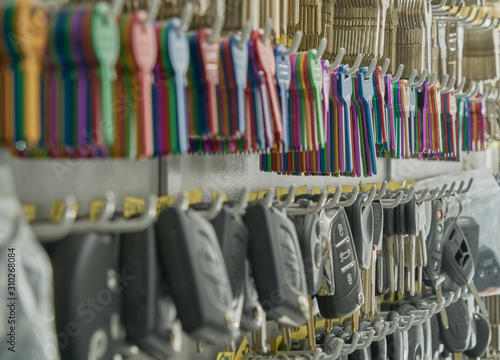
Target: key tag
{"x":305,"y":134}
{"x":346,"y":91}
{"x":30,"y":27}
{"x":367,"y":94}
{"x":316,"y":80}
{"x":265,"y":57}
{"x":257,"y":81}
{"x":178,"y":54}
{"x":359,"y":108}
{"x":239,"y":57}
{"x":310,"y":115}
{"x":326,"y":115}
{"x":295,"y":105}
{"x":356,"y":137}
{"x":106,"y":46}
{"x":144,"y":50}
{"x":338,"y":123}
{"x":209,"y":58}
{"x":412,"y":123}
{"x":380,"y":99}
{"x":405,"y":100}
{"x":396,"y":89}
{"x":389,"y":105}
{"x":454,"y":126}
{"x":283,"y":79}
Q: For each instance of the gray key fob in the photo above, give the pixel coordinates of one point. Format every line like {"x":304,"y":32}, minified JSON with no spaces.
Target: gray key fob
{"x":483,"y":337}
{"x":277,"y":267}
{"x":149,"y":314}
{"x":415,"y":336}
{"x":362,"y":225}
{"x":456,"y":337}
{"x":193,"y":267}
{"x":87,"y":281}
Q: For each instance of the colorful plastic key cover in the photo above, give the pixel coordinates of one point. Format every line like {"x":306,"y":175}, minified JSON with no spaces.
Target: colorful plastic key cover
{"x":106,"y":45}
{"x":209,"y":57}
{"x":345,"y":83}
{"x":316,"y":78}
{"x":178,"y":51}
{"x":367,"y":95}
{"x":143,"y":41}
{"x":265,"y":57}
{"x":302,"y":100}
{"x":295,"y":105}
{"x":239,"y":57}
{"x":31,"y":27}
{"x":283,"y":77}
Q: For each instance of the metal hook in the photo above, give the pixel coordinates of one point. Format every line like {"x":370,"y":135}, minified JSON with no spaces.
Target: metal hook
{"x":409,"y":195}
{"x":289,"y":199}
{"x":181,"y":201}
{"x":371,"y":196}
{"x":396,"y":77}
{"x":245,"y":34}
{"x":382,"y":191}
{"x":449,"y":192}
{"x":242,"y":203}
{"x":355,"y":66}
{"x":214,"y":209}
{"x":409,"y":324}
{"x":472,"y":88}
{"x":383,"y":333}
{"x":350,"y":348}
{"x":443,"y":83}
{"x":432,"y":79}
{"x":371,"y":68}
{"x":432,"y":195}
{"x":472,"y":26}
{"x":316,"y":208}
{"x":216,"y":27}
{"x":468,"y":186}
{"x":117,"y":7}
{"x":451,"y":83}
{"x":482,"y":97}
{"x":186,"y":16}
{"x":295,"y":45}
{"x":387,"y":204}
{"x":321,"y":49}
{"x":269,"y":197}
{"x":460,"y":206}
{"x":412,"y":77}
{"x":267,"y":30}
{"x":153,"y":11}
{"x":352,"y":198}
{"x":110,"y":206}
{"x":385,"y":66}
{"x":460,"y":87}
{"x":335,"y":200}
{"x":337,"y":61}
{"x":48,"y":231}
{"x":422,"y":196}
{"x":460,"y":187}
{"x":131,"y":225}
{"x":394,"y":325}
{"x":420,"y":80}
{"x":473,"y":20}
{"x":439,"y":6}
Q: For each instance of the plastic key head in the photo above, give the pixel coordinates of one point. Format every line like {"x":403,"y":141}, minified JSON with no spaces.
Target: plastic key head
{"x":316,"y":80}
{"x":265,"y":57}
{"x":178,"y":54}
{"x":283,"y":79}
{"x":209,"y":58}
{"x":239,"y":57}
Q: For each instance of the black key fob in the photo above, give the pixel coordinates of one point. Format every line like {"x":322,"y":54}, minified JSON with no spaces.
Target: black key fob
{"x":395,"y":342}
{"x":456,"y":337}
{"x":193,"y":267}
{"x":487,"y":269}
{"x":361,"y":222}
{"x":415,"y":336}
{"x":88,"y":281}
{"x":252,"y":315}
{"x":277,"y":267}
{"x":233,"y":239}
{"x":149,"y":315}
{"x":457,"y":256}
{"x":483,"y":337}
{"x":340,"y":251}
{"x":311,"y":248}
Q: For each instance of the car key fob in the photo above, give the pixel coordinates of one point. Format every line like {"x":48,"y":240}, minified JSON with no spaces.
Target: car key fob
{"x":193,"y":267}
{"x":311,"y":248}
{"x":361,"y":222}
{"x":456,"y":337}
{"x":277,"y":267}
{"x":427,"y":332}
{"x":487,"y":269}
{"x":339,"y":248}
{"x":483,"y":337}
{"x":396,"y":348}
{"x":434,"y":243}
{"x":471,"y":229}
{"x":149,"y":315}
{"x":87,"y":267}
{"x":252,"y":315}
{"x":457,"y":257}
{"x":415,"y":336}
